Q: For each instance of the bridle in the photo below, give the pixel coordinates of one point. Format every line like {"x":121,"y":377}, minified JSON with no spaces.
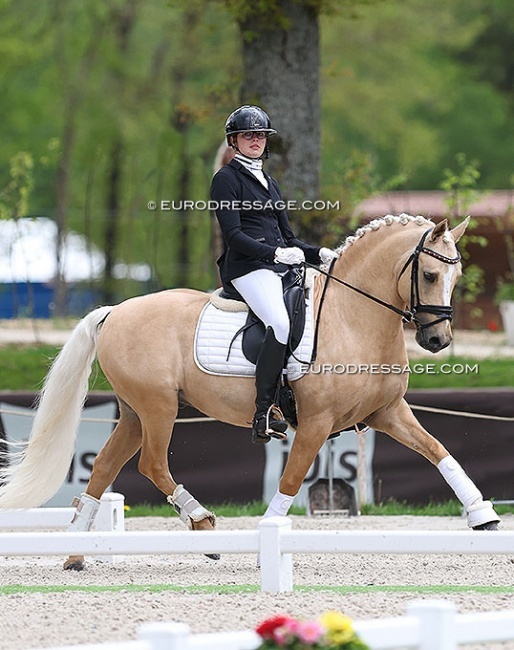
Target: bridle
{"x":443,"y":312}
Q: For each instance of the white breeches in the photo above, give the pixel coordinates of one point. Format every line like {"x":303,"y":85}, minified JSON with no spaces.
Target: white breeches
{"x":262,"y":291}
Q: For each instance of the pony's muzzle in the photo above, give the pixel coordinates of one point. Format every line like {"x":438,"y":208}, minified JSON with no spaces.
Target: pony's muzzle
{"x":434,"y":338}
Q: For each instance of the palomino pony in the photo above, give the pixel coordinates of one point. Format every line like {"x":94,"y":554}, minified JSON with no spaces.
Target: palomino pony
{"x":145,"y":347}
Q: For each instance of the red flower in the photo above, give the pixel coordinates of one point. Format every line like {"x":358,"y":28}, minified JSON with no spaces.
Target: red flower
{"x":267,"y":628}
{"x":493,"y":326}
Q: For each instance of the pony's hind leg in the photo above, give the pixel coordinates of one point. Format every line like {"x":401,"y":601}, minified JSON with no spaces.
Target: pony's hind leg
{"x":123,"y":443}
{"x":153,"y":463}
{"x":399,"y":422}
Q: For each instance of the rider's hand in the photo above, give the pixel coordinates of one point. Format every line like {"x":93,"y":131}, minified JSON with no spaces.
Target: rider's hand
{"x":326,"y":255}
{"x":289,"y":256}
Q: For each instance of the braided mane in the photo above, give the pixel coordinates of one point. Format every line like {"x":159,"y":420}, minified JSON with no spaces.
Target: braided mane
{"x":388,"y":220}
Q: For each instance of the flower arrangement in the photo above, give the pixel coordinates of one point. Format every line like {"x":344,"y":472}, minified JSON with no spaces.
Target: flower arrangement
{"x":332,"y":631}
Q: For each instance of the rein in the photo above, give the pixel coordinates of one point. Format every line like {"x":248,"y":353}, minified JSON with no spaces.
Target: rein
{"x":444,"y":312}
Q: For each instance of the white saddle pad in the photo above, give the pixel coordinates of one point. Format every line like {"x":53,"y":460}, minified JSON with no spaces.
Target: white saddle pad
{"x":214,"y":333}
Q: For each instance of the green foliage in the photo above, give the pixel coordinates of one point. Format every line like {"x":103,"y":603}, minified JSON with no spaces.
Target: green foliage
{"x":14,"y":197}
{"x":355,"y":179}
{"x":394,"y":86}
{"x":460,"y":184}
{"x":405,"y":86}
{"x":505,"y":291}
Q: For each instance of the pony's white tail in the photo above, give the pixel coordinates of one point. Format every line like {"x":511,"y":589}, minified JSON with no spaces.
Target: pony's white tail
{"x":47,"y":457}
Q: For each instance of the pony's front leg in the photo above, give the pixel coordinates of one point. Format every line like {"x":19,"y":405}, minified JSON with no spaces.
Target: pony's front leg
{"x":309,"y":439}
{"x":399,"y":422}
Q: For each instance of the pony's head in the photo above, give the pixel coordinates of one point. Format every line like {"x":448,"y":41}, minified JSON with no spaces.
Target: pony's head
{"x":435,"y":268}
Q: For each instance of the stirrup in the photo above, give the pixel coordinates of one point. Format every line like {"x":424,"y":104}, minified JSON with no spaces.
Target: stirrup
{"x":273,"y":428}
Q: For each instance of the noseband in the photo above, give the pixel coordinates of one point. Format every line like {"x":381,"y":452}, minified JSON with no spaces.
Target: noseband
{"x":443,"y":312}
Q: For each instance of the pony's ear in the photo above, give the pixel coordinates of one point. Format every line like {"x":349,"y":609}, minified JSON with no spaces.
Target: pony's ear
{"x":459,"y":230}
{"x":439,"y":230}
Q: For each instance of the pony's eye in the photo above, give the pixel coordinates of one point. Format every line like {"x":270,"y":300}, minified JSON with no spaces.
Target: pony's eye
{"x":429,"y":277}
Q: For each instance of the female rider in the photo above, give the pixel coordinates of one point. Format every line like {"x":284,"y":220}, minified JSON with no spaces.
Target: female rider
{"x":259,"y":245}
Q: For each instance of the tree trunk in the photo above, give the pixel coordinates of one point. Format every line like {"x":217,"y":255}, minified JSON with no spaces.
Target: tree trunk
{"x":281,"y":74}
{"x":62,"y":178}
{"x":112,"y":219}
{"x":124,"y":18}
{"x":72,"y":97}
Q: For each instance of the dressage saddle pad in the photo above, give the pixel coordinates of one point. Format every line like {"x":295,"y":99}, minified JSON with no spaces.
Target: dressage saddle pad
{"x":217,"y":352}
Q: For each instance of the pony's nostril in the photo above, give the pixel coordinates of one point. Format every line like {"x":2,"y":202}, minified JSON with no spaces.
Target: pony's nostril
{"x":434,"y":342}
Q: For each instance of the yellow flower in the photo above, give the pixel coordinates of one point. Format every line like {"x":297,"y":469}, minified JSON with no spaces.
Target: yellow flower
{"x":339,"y":627}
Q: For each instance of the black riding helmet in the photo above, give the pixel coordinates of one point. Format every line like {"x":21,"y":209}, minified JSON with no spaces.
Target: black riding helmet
{"x":247,"y":118}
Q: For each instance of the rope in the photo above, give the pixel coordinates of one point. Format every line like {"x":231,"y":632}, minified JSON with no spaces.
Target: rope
{"x":414,"y":407}
{"x":110,"y":420}
{"x":464,"y":414}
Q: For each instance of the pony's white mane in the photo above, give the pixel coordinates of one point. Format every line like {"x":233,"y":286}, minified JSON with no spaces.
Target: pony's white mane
{"x":388,"y":220}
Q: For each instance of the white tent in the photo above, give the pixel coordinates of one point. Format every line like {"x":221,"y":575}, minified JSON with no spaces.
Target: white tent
{"x":28,"y":254}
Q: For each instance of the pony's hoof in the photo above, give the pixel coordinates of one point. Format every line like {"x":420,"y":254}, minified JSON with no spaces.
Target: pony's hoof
{"x":213,"y":556}
{"x":206,"y":524}
{"x":74,"y":563}
{"x":490,"y":525}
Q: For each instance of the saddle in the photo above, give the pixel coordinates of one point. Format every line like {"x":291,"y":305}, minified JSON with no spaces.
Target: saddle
{"x":253,"y":331}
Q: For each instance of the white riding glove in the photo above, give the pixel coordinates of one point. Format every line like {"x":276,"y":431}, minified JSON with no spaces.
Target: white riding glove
{"x":326,"y":255}
{"x":289,"y":256}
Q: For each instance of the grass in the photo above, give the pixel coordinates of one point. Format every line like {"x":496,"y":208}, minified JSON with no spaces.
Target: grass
{"x":253,"y":509}
{"x":25,"y":367}
{"x":8,"y":590}
{"x":257,"y":508}
{"x":461,"y":372}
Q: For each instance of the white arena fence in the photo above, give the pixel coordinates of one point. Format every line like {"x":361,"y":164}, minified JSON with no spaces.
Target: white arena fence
{"x":274,"y":543}
{"x":428,"y":625}
{"x":110,"y":517}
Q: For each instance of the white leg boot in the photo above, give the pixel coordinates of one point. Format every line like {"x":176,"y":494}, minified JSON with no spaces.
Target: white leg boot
{"x":86,"y":508}
{"x":480,"y":512}
{"x":279,"y":505}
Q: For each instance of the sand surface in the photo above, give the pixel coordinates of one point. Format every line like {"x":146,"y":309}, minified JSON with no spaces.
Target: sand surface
{"x":31,"y":620}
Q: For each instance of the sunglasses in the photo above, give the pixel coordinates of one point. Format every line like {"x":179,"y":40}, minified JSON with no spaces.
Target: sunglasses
{"x":250,"y":135}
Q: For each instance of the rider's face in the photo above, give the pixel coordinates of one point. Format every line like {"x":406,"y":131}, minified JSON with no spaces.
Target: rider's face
{"x":253,"y":148}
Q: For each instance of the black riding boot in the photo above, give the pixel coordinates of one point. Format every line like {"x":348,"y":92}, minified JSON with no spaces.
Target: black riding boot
{"x":267,"y":374}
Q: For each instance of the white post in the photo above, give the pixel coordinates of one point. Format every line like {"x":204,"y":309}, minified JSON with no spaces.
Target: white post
{"x":436,"y":623}
{"x":362,"y":473}
{"x":276,"y":567}
{"x":110,"y":517}
{"x":164,"y":636}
